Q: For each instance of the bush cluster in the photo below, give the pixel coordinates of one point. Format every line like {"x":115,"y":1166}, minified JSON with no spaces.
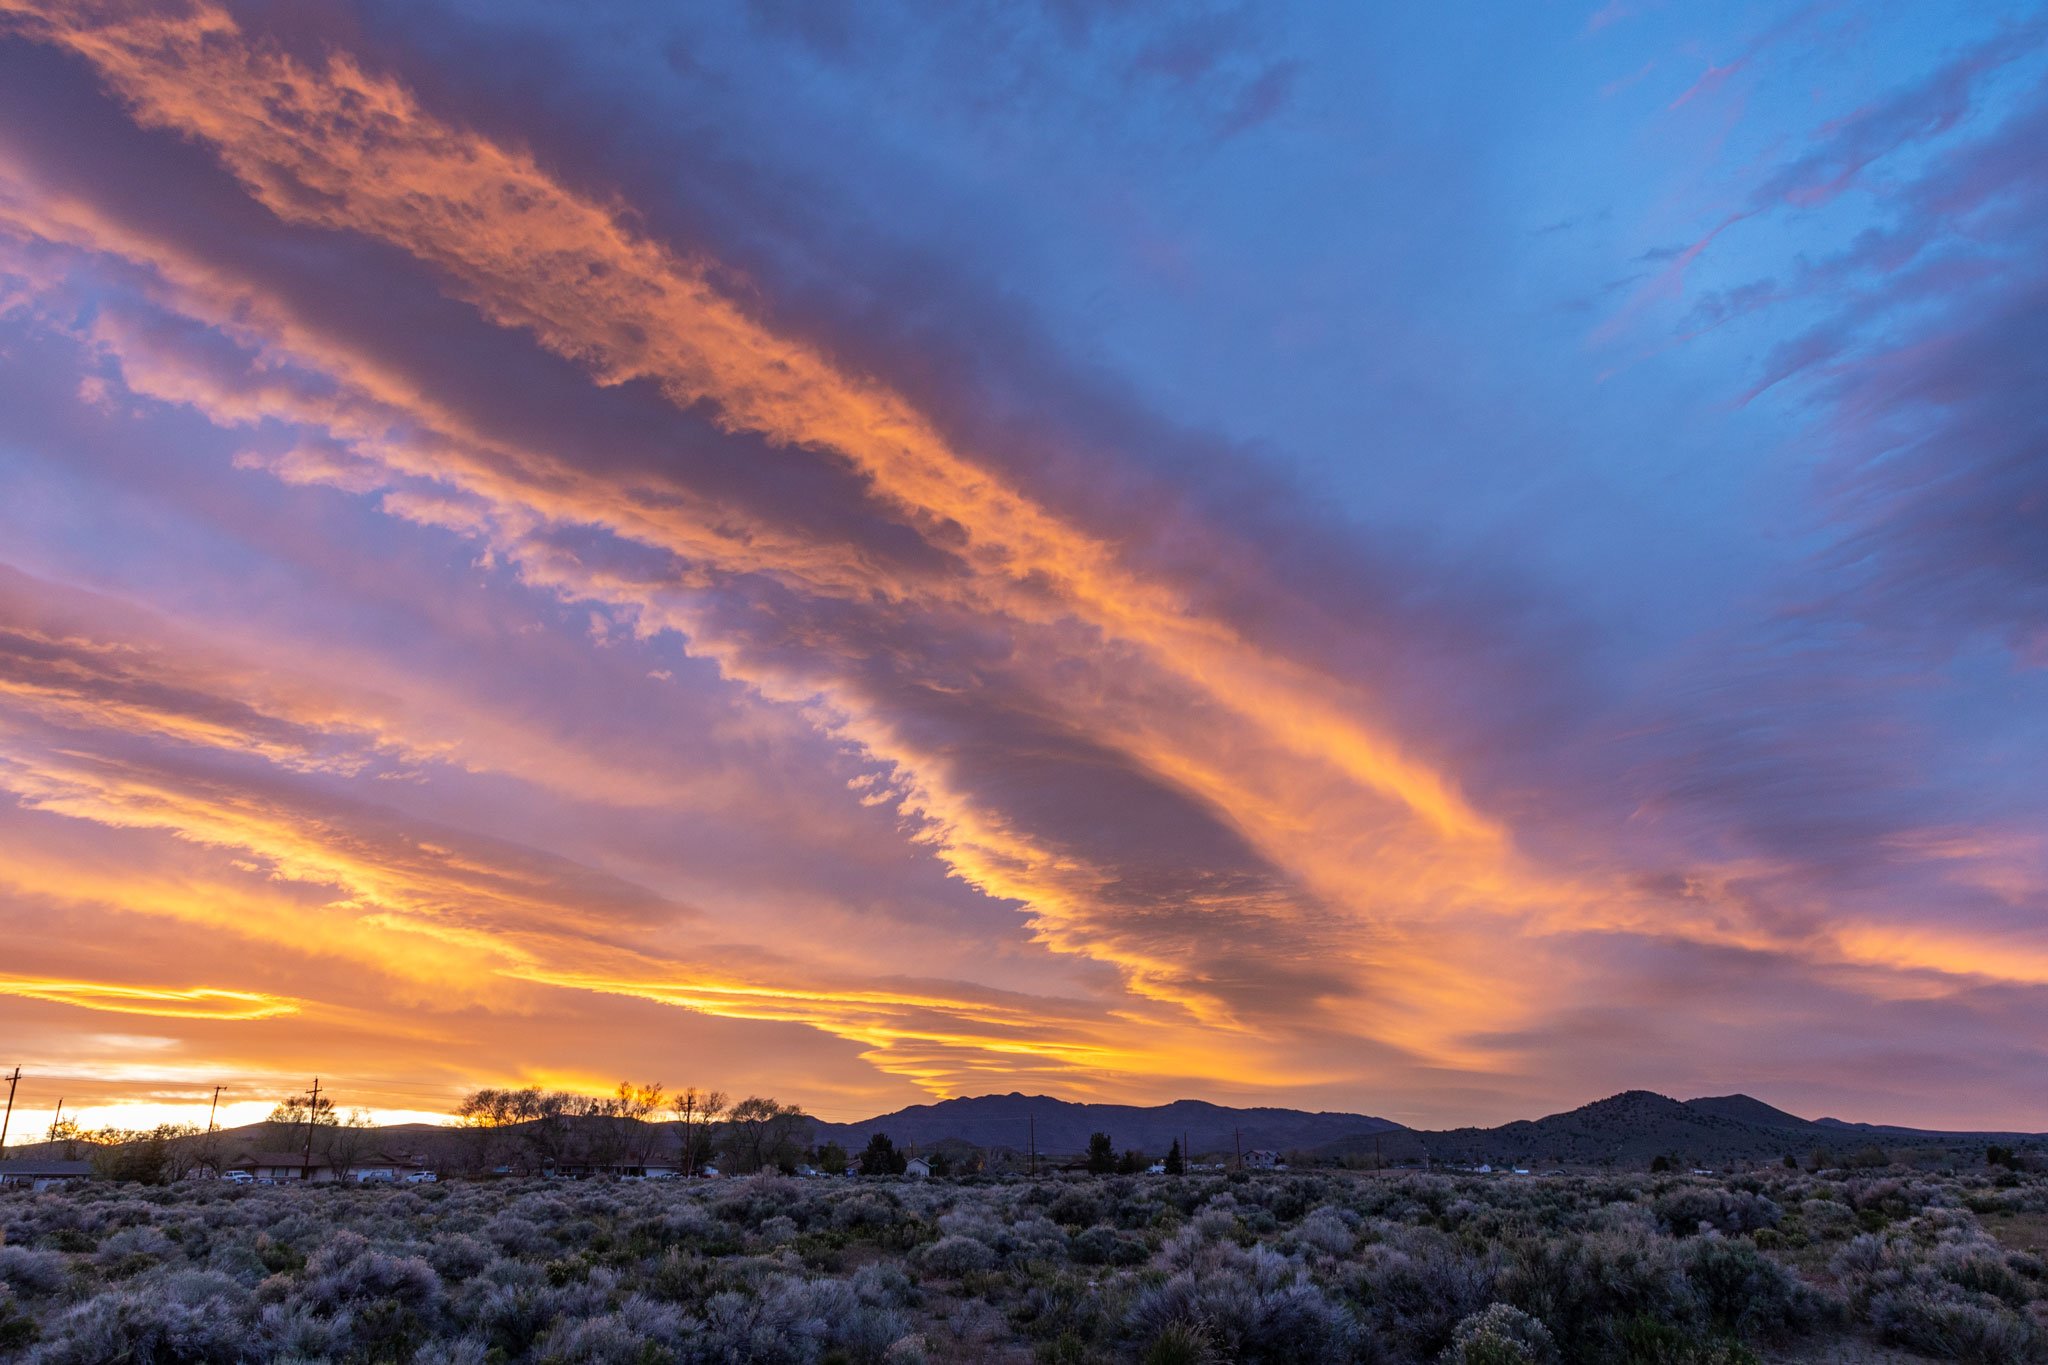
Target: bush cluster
{"x":1286,"y":1267}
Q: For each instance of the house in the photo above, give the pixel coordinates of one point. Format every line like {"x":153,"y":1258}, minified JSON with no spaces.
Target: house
{"x":917,"y":1168}
{"x":42,"y":1173}
{"x":386,"y":1168}
{"x":1262,"y":1161}
{"x":282,"y":1167}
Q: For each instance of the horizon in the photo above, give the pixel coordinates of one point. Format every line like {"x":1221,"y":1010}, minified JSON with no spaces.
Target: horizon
{"x":1280,"y":555}
{"x":134,"y":1116}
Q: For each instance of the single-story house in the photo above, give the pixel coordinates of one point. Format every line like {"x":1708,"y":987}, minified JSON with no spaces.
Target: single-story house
{"x":280,"y":1167}
{"x":41,"y":1173}
{"x":384,"y":1168}
{"x":917,"y":1168}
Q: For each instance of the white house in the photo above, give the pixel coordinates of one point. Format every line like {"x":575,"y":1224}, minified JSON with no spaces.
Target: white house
{"x":917,"y":1168}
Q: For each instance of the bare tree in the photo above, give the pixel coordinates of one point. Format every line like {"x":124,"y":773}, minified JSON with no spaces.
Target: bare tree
{"x":546,"y":1120}
{"x":637,"y":1106}
{"x":182,"y":1150}
{"x":484,"y":1118}
{"x":347,"y":1141}
{"x":760,"y":1134}
{"x":67,"y":1136}
{"x":696,"y":1111}
{"x":602,"y":1129}
{"x":288,"y":1122}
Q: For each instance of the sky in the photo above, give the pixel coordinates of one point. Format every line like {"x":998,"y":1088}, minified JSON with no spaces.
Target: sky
{"x":1434,"y":561}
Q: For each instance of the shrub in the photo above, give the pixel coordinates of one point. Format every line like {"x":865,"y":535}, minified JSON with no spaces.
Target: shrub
{"x":956,"y":1256}
{"x":32,"y":1273}
{"x":17,"y":1328}
{"x":1500,"y":1334}
{"x":1746,"y":1294}
{"x":1954,"y":1325}
{"x":1685,"y":1211}
{"x":1326,"y":1230}
{"x":131,"y":1325}
{"x":1101,"y":1245}
{"x":1584,"y":1287}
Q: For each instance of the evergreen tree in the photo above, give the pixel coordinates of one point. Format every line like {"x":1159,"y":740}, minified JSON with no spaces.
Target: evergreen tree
{"x":1176,"y":1164}
{"x":881,"y":1157}
{"x":1101,"y":1154}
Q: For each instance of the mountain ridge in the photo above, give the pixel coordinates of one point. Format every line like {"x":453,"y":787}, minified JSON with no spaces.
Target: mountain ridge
{"x":1063,"y":1126}
{"x":1633,"y":1126}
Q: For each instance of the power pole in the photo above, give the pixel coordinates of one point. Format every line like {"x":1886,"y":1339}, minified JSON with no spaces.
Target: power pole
{"x":56,"y":1119}
{"x":1032,"y":1119}
{"x":8,"y":1118}
{"x":312,"y":1110}
{"x":212,"y":1109}
{"x":1238,"y":1134}
{"x":1377,"y":1164}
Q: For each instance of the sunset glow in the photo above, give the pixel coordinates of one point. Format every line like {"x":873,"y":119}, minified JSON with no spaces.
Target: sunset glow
{"x":1256,"y":553}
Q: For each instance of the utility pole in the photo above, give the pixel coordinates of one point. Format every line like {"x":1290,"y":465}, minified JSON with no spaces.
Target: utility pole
{"x":212,"y":1109}
{"x":56,"y":1119}
{"x":1238,"y":1134}
{"x":1032,"y":1120}
{"x":312,"y":1110}
{"x":12,"y":1081}
{"x":1377,"y":1164}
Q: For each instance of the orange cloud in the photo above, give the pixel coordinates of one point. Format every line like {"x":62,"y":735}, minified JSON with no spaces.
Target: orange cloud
{"x":191,"y":1002}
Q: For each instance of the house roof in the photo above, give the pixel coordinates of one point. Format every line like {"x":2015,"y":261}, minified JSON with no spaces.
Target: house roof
{"x":44,"y":1168}
{"x":292,"y":1159}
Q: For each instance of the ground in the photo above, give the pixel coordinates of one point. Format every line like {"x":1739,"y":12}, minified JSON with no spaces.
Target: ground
{"x":1784,"y":1267}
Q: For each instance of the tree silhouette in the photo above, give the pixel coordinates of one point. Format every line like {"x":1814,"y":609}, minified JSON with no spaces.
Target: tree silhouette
{"x":880,"y":1157}
{"x":760,"y":1133}
{"x":696,"y":1111}
{"x":1101,"y":1154}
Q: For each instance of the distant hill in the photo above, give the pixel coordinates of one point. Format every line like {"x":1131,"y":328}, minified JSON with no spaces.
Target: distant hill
{"x":1746,"y":1110}
{"x":1063,"y":1126}
{"x":1636,"y":1126}
{"x":1630,"y":1129}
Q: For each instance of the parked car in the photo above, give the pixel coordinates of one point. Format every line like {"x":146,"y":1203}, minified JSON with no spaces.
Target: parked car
{"x":238,"y":1177}
{"x":421,"y":1178}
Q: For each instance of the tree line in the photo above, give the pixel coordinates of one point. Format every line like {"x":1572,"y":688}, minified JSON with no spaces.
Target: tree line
{"x":538,"y":1130}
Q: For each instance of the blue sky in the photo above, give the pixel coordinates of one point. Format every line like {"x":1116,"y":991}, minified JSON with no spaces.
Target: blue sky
{"x":1437,"y":560}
